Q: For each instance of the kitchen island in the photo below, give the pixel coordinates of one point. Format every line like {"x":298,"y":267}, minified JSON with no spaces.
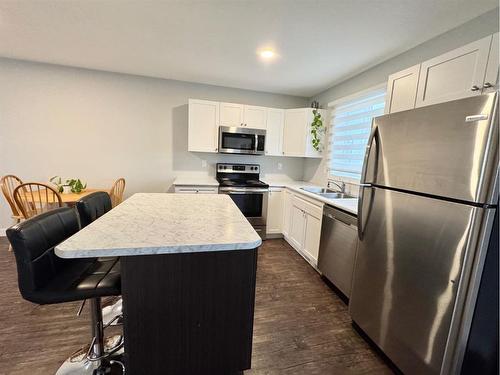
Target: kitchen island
{"x":188,"y":265}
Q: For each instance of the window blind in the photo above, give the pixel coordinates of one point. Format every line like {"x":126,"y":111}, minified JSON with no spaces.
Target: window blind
{"x":349,"y":132}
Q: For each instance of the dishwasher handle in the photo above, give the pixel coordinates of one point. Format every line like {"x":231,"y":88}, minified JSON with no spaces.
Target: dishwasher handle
{"x":343,"y":217}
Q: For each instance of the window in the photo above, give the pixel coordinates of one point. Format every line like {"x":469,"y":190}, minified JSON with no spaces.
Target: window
{"x":350,"y":126}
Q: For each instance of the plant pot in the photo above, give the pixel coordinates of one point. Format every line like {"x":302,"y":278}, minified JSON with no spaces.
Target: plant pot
{"x":66,"y":189}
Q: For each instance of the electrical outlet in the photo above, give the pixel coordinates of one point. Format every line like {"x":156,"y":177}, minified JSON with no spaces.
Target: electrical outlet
{"x":203,"y":163}
{"x":280,"y":166}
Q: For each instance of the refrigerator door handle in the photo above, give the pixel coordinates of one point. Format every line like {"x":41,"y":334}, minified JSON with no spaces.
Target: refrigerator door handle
{"x":360,"y":208}
{"x":373,"y":136}
{"x":363,"y":184}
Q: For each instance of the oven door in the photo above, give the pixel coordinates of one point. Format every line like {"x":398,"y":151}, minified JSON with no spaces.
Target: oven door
{"x":252,"y":202}
{"x":234,"y":140}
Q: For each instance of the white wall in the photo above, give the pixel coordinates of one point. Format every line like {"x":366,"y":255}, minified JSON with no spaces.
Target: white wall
{"x":486,"y":24}
{"x":98,"y":126}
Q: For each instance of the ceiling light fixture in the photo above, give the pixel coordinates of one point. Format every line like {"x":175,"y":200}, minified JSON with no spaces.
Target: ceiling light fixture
{"x":267,"y":54}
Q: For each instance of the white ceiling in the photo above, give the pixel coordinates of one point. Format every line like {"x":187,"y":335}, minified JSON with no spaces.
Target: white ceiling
{"x":214,"y":41}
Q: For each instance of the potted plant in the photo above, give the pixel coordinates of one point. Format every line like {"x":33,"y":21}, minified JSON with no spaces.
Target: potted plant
{"x":317,"y":130}
{"x":70,"y":186}
{"x":76,"y":185}
{"x":61,"y":187}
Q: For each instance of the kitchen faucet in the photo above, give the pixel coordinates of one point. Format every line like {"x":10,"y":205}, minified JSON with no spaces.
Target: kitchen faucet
{"x":340,"y":185}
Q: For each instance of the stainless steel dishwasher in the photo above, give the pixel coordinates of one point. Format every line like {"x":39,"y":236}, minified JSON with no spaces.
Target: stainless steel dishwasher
{"x":337,"y":249}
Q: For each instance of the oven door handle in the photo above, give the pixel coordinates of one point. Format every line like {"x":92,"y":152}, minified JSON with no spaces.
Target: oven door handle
{"x":242,"y":191}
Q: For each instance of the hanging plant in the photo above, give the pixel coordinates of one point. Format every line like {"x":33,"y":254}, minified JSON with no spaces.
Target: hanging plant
{"x":317,"y":130}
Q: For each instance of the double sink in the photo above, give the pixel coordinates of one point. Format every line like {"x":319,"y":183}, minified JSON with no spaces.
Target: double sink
{"x":326,"y":193}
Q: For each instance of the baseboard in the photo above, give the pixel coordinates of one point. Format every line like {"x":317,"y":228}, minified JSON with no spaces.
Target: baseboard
{"x":273,"y":236}
{"x":2,"y":232}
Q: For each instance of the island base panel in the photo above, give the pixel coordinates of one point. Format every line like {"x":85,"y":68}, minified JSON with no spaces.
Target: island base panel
{"x":189,"y":313}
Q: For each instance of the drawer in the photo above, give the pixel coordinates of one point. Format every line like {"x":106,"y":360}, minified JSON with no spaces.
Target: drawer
{"x":315,"y":210}
{"x":197,"y":189}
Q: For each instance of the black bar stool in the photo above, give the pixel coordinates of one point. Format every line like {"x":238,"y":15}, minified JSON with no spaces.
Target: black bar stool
{"x":90,"y":208}
{"x":93,"y":206}
{"x":44,"y":278}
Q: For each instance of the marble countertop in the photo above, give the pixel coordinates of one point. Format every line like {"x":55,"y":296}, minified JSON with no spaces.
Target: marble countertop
{"x":160,"y":223}
{"x":196,"y":180}
{"x":347,"y":204}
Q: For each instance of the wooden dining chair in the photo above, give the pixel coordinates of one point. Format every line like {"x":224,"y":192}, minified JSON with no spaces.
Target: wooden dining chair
{"x":33,"y":198}
{"x":8,"y":184}
{"x":116,"y":192}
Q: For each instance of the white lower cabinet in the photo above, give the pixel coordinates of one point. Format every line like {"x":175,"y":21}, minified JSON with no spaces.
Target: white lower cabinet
{"x":312,"y":237}
{"x":275,"y":211}
{"x":297,"y":227}
{"x":287,"y":209}
{"x":304,"y":226}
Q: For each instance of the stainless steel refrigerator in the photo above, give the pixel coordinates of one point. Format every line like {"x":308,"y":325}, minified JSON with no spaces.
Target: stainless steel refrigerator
{"x":425,"y":214}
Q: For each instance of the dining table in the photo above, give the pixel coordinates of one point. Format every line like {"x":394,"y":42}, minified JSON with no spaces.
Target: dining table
{"x":188,"y":274}
{"x":69,"y":199}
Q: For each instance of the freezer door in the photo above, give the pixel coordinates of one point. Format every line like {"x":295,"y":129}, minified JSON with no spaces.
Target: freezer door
{"x":407,"y":273}
{"x":447,"y":150}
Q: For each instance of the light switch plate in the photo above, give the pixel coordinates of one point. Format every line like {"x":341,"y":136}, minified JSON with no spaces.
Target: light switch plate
{"x":280,"y":166}
{"x":203,"y":163}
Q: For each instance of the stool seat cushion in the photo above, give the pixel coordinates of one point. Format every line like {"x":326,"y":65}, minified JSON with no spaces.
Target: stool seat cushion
{"x":97,"y":279}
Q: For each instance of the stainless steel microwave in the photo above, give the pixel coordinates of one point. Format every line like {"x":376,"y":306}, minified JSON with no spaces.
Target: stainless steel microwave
{"x":234,"y":140}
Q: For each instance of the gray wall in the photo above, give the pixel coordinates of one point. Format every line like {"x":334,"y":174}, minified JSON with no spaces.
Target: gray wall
{"x":475,"y":29}
{"x":98,"y":126}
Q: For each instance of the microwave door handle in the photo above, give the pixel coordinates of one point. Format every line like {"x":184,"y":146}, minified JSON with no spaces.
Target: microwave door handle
{"x":256,"y":142}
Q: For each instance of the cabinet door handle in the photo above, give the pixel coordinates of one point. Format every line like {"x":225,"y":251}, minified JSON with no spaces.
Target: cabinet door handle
{"x":487,"y":85}
{"x":474,"y":88}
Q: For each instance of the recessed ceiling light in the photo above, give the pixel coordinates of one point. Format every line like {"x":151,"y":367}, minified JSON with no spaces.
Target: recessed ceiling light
{"x":267,"y":54}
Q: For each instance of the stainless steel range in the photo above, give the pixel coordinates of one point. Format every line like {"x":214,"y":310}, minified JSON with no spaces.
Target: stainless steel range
{"x":241,"y":182}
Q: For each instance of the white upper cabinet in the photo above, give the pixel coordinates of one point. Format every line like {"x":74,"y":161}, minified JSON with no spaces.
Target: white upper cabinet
{"x":294,"y":131}
{"x":274,"y":132}
{"x":402,"y":90}
{"x":288,"y":132}
{"x":255,"y":117}
{"x":454,"y":75}
{"x":297,"y":139}
{"x":203,"y":120}
{"x":491,"y":76}
{"x":231,"y":114}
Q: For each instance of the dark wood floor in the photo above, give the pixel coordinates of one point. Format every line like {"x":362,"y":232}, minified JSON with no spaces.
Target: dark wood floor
{"x":301,"y":326}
